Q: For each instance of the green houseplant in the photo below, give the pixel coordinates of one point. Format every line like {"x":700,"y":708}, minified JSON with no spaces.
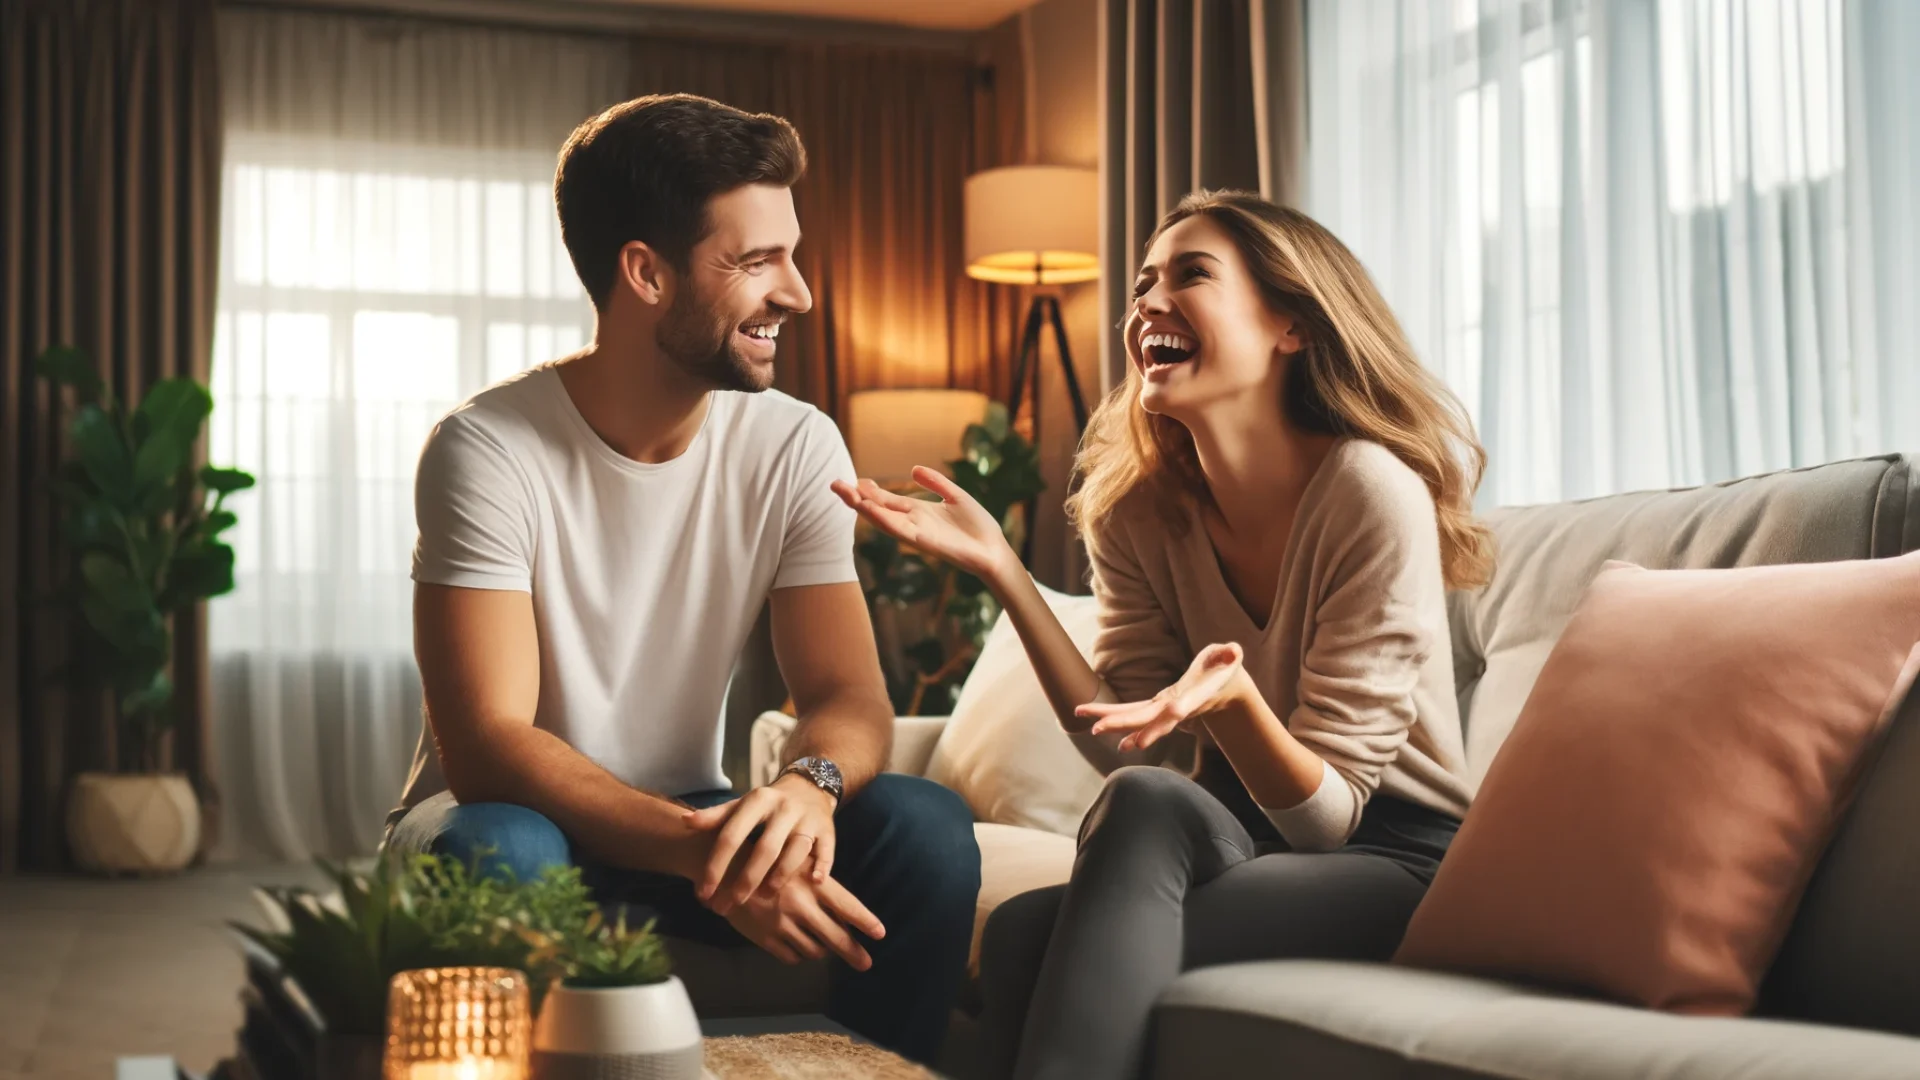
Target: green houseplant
{"x":617,"y":1009}
{"x":143,"y":528}
{"x":942,"y":612}
{"x":427,"y":911}
{"x":342,"y":949}
{"x":598,"y":954}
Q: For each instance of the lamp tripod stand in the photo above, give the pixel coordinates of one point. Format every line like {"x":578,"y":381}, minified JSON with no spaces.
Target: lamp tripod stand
{"x":1044,"y":311}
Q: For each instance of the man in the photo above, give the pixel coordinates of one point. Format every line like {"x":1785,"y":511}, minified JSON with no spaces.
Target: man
{"x":598,"y":535}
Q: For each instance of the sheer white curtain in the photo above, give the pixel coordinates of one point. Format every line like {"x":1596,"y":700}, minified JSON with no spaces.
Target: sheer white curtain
{"x":388,"y":248}
{"x":1648,"y":243}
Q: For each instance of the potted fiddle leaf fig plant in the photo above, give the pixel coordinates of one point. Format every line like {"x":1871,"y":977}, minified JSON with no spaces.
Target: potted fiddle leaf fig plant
{"x":142,"y":526}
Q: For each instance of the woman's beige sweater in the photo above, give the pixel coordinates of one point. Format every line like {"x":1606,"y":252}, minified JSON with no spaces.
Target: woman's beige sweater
{"x":1353,"y":655}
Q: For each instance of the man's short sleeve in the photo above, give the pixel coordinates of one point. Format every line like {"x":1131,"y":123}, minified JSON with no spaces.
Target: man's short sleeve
{"x":474,"y":510}
{"x":817,"y":546}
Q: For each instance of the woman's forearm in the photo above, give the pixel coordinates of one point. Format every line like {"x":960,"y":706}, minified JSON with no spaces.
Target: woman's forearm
{"x":1280,"y":772}
{"x":1066,"y":677}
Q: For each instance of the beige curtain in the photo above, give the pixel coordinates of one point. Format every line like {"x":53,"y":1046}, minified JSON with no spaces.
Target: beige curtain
{"x":109,"y":183}
{"x":1198,"y":94}
{"x":891,"y":135}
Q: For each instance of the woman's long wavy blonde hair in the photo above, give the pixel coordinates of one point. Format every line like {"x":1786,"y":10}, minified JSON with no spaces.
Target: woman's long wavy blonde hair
{"x":1357,"y":376}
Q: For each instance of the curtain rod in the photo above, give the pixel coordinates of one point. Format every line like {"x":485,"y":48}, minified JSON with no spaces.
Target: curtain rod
{"x":634,"y":18}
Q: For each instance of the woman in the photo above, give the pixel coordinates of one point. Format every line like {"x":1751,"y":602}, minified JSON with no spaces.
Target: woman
{"x":1275,"y":504}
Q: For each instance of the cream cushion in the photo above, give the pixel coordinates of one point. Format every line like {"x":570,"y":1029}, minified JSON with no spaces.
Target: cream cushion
{"x":1014,"y":860}
{"x":1003,"y":749}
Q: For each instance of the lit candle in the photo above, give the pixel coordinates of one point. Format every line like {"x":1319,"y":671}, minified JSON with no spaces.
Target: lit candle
{"x":466,"y":1069}
{"x":458,"y":1024}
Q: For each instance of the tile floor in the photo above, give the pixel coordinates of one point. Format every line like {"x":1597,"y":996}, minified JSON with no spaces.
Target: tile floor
{"x":94,"y":969}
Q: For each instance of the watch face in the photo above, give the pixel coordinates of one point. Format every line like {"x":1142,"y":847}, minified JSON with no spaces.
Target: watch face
{"x":824,"y":773}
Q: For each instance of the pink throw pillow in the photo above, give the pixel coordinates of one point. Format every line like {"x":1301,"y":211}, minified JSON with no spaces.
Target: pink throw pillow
{"x":1647,"y":829}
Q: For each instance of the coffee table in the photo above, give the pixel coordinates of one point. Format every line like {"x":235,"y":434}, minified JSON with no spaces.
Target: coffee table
{"x":783,"y":1024}
{"x":798,"y":1047}
{"x":804,"y":1046}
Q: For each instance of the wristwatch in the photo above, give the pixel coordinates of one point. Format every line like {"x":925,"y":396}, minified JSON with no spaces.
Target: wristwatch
{"x":824,"y":774}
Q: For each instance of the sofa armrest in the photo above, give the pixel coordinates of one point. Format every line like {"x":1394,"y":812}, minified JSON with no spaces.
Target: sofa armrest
{"x":766,"y":742}
{"x":914,"y":738}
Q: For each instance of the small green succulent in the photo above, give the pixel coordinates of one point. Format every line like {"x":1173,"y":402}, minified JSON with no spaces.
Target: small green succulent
{"x":600,"y":955}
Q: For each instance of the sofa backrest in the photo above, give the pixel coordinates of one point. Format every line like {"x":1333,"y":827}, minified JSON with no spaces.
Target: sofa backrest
{"x":1547,"y":555}
{"x":1852,"y":956}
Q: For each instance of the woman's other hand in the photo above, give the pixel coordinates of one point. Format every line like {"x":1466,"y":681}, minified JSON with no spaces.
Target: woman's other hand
{"x":1216,"y":680}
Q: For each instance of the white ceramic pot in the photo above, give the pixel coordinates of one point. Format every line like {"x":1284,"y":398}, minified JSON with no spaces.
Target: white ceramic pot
{"x":140,"y":823}
{"x":617,"y":1033}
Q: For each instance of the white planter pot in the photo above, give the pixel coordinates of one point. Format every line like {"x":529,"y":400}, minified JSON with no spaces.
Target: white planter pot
{"x":135,"y":823}
{"x":618,"y":1033}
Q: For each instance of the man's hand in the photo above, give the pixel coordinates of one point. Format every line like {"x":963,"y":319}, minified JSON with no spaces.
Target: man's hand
{"x":796,"y":822}
{"x":806,"y":919}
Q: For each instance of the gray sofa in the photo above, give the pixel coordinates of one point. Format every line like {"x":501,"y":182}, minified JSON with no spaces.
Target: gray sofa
{"x":1842,"y":1000}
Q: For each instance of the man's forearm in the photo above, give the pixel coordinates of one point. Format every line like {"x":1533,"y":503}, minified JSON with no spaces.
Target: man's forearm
{"x":606,"y":820}
{"x":852,"y":728}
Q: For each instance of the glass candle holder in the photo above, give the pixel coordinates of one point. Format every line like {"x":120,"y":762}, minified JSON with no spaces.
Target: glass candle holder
{"x":464,"y":1023}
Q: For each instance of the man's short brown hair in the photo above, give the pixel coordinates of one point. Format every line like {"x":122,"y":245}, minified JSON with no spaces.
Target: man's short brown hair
{"x":645,"y":169}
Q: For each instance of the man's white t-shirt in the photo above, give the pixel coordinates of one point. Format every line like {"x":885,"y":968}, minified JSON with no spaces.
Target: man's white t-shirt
{"x":645,"y":578}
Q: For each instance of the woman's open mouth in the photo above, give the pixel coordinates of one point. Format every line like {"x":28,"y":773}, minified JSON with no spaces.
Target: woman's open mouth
{"x":1162,"y":352}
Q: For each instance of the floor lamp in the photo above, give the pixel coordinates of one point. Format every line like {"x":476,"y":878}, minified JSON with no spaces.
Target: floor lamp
{"x":1035,"y":225}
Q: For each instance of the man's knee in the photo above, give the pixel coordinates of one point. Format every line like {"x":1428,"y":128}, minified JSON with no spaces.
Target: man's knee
{"x":918,"y":828}
{"x":497,"y":837}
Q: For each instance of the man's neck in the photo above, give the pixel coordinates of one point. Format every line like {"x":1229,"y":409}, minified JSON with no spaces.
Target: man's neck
{"x":639,"y":402}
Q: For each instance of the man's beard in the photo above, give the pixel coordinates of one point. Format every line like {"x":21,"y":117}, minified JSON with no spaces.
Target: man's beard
{"x":700,"y":339}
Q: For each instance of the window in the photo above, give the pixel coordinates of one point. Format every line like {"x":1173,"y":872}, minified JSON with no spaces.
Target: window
{"x":365,"y":290}
{"x":1633,"y":238}
{"x":1524,"y":89}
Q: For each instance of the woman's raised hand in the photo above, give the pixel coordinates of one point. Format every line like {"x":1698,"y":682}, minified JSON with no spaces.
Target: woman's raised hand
{"x":1214,"y":681}
{"x":956,"y":529}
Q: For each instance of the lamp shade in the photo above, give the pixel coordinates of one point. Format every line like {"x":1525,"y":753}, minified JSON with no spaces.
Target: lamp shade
{"x":891,"y":431}
{"x":1033,"y":225}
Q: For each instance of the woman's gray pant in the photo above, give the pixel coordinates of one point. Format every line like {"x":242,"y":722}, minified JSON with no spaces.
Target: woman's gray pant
{"x":1168,"y":879}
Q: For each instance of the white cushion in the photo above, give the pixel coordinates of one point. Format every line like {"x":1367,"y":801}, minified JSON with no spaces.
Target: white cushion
{"x":1013,"y":861}
{"x":1003,"y":749}
{"x":913,"y":741}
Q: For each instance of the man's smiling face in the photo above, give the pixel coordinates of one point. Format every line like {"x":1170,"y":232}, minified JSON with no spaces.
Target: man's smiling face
{"x":740,"y":286}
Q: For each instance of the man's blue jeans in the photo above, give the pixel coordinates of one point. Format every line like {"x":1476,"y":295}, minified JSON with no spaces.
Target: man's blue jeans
{"x":905,"y":848}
